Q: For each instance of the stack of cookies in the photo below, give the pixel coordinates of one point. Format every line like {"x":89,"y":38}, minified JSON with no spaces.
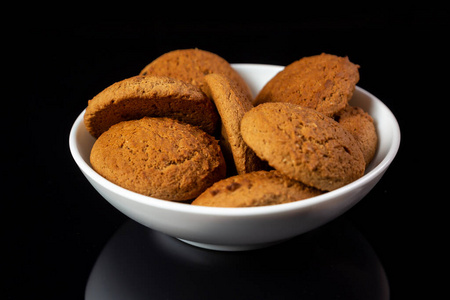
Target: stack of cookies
{"x":187,"y":129}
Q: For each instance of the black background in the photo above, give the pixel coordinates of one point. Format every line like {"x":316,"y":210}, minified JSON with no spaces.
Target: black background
{"x":55,"y":225}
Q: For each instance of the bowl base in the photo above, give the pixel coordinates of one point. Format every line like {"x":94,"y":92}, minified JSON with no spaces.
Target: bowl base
{"x":230,"y":247}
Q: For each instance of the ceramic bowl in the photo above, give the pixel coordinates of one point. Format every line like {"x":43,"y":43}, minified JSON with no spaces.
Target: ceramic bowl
{"x":235,"y":229}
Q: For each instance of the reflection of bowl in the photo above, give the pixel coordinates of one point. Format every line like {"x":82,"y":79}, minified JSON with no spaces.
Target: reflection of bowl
{"x":139,"y":263}
{"x":253,"y":227}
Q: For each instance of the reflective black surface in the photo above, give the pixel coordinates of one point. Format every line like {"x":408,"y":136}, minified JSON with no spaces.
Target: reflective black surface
{"x":60,"y":239}
{"x":332,"y":262}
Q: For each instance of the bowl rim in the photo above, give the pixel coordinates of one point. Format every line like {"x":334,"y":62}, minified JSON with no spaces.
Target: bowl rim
{"x":237,"y":211}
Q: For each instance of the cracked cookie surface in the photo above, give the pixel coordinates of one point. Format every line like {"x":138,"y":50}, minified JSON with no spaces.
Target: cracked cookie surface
{"x":360,"y":124}
{"x":255,"y":189}
{"x":323,"y":82}
{"x":153,"y":96}
{"x":191,"y":65}
{"x":232,"y":104}
{"x":303,"y":144}
{"x":159,"y":157}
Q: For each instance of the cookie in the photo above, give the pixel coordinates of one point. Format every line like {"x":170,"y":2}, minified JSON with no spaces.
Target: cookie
{"x":232,"y":104}
{"x":191,"y":65}
{"x":159,"y":157}
{"x":152,"y":96}
{"x":323,"y":82}
{"x":360,"y":125}
{"x":303,"y":144}
{"x":255,"y":189}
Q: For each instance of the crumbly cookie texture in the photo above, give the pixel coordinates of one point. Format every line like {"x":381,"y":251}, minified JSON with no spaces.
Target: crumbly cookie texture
{"x":360,"y":124}
{"x":156,"y":132}
{"x":191,"y":65}
{"x":303,"y":144}
{"x":154,"y":96}
{"x":255,"y":189}
{"x":159,"y":157}
{"x":232,"y":104}
{"x":323,"y":82}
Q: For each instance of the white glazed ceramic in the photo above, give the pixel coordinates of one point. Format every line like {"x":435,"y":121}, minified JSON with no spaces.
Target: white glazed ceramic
{"x":234,"y":229}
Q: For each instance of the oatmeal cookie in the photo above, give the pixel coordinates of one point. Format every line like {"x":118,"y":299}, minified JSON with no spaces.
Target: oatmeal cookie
{"x":255,"y":189}
{"x":232,"y":104}
{"x":152,"y":96}
{"x":159,"y":157}
{"x":322,"y":82}
{"x":191,"y":65}
{"x":360,"y":125}
{"x":303,"y":144}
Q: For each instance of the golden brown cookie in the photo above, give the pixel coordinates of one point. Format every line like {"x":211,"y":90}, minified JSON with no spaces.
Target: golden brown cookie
{"x":153,"y":96}
{"x":191,"y":65}
{"x":255,"y":189}
{"x":323,"y":82}
{"x":232,"y":104}
{"x":360,"y":125}
{"x":303,"y":144}
{"x":159,"y":157}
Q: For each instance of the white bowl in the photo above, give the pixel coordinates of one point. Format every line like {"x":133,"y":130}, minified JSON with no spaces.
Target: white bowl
{"x":234,"y":229}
